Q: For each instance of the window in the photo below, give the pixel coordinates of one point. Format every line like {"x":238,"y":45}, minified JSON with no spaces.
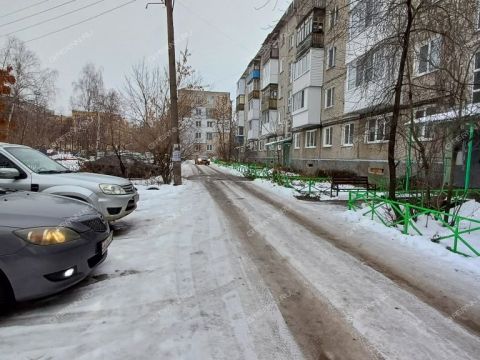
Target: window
{"x":209,"y":147}
{"x":198,"y":148}
{"x":362,"y":16}
{"x":311,"y":139}
{"x":209,"y":124}
{"x":291,"y":72}
{"x":424,"y":130}
{"x":6,"y":163}
{"x":240,"y":130}
{"x":301,"y":66}
{"x":370,"y":67}
{"x":378,"y":130}
{"x":428,"y":56}
{"x":198,"y":135}
{"x":348,"y":133}
{"x":198,"y":123}
{"x":296,"y":141}
{"x":333,"y":17}
{"x":328,"y":136}
{"x":299,"y":100}
{"x":265,"y":117}
{"x":292,"y":41}
{"x":331,"y":56}
{"x":209,"y":136}
{"x":281,"y":65}
{"x":476,"y":81}
{"x":198,"y":111}
{"x":330,"y":97}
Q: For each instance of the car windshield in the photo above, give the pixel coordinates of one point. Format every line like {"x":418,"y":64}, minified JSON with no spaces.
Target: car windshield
{"x":36,"y":161}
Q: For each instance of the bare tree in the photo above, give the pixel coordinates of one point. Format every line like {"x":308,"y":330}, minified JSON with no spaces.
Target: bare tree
{"x":147,"y":104}
{"x":34,"y":86}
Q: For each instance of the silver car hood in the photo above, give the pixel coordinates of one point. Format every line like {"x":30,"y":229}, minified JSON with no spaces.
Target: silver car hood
{"x":26,"y":210}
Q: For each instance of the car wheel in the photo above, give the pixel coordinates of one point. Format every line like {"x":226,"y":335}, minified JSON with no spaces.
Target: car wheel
{"x":6,"y":298}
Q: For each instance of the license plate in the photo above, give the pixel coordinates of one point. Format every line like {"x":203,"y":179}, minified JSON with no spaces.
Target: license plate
{"x":106,"y":243}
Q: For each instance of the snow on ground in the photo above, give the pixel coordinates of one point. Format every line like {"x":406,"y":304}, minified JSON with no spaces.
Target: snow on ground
{"x":429,"y":228}
{"x":173,"y":287}
{"x":393,"y":320}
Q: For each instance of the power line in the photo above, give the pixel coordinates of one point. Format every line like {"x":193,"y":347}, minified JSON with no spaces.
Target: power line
{"x":54,"y":18}
{"x":81,"y":22}
{"x":22,"y":9}
{"x":38,"y":13}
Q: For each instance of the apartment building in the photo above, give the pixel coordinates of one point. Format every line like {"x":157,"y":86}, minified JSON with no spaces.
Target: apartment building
{"x":337,"y":71}
{"x":200,"y":135}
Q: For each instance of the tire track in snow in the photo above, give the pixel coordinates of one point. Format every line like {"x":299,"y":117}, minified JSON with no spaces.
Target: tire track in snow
{"x":429,"y":296}
{"x":318,"y":329}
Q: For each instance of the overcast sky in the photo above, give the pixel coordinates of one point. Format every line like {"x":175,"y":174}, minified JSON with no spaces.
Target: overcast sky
{"x":223,"y":35}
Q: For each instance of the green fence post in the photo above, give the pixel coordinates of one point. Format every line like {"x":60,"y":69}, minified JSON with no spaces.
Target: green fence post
{"x":309,"y":187}
{"x":455,"y":241}
{"x":406,"y":219}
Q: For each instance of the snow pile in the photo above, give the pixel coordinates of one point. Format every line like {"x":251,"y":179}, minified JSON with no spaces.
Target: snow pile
{"x":431,"y":229}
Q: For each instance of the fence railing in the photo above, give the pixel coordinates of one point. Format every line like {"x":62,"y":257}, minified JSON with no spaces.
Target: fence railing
{"x":405,"y":215}
{"x":304,"y":185}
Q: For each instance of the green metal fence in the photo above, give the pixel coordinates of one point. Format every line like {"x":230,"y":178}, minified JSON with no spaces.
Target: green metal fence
{"x":304,"y":185}
{"x":405,"y":215}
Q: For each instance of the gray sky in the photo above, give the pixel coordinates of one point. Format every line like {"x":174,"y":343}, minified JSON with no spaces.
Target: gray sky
{"x":223,"y":35}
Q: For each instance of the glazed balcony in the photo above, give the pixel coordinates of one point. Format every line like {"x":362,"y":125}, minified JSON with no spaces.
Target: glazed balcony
{"x":240,"y":102}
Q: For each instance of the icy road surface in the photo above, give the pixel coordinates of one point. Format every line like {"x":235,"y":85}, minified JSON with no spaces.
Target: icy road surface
{"x":221,"y":268}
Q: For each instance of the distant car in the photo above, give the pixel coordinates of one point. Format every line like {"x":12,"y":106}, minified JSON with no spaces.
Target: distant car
{"x":47,"y":244}
{"x":23,"y":168}
{"x":202,"y":160}
{"x":110,"y":165}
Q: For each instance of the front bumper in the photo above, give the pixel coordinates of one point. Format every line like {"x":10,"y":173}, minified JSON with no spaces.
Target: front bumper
{"x":115,"y":207}
{"x":27,"y":270}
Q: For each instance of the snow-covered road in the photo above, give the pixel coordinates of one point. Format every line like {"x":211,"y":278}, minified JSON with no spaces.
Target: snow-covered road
{"x":221,"y":268}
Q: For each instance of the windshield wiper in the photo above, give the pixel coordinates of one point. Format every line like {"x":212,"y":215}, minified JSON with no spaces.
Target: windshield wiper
{"x":54,"y":172}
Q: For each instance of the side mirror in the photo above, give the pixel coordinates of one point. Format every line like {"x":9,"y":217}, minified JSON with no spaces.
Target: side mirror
{"x":9,"y":173}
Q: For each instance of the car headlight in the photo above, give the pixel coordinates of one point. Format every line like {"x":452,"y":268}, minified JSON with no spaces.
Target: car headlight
{"x":47,"y":235}
{"x":112,"y":189}
{"x":199,"y":159}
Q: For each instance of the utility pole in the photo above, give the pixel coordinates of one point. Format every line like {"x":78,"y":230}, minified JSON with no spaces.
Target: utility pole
{"x":175,"y":150}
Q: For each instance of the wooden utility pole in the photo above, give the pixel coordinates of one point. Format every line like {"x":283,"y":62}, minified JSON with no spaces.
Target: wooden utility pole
{"x":172,"y":67}
{"x":175,"y":148}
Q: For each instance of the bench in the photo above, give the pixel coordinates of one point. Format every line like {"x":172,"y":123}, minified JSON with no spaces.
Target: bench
{"x":356,"y":181}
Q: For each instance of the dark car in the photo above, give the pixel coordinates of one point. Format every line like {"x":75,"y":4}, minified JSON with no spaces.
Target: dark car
{"x":47,"y":244}
{"x":202,"y":160}
{"x":125,"y":166}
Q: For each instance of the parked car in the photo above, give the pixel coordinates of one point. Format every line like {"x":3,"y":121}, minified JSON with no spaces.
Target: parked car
{"x":23,"y":168}
{"x":110,"y":165}
{"x":202,"y":160}
{"x":47,"y":244}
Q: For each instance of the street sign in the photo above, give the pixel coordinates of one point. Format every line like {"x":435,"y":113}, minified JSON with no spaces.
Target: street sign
{"x":177,"y":155}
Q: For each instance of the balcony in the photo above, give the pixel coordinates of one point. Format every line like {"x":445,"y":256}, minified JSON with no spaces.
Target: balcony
{"x":254,"y":74}
{"x":254,"y":94}
{"x":269,"y":104}
{"x":240,"y":103}
{"x":314,"y":40}
{"x":272,"y":53}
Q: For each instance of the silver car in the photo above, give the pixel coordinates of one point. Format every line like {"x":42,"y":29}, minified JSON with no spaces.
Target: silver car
{"x":23,"y":168}
{"x":47,"y":244}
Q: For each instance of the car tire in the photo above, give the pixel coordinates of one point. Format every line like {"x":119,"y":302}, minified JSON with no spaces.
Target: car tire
{"x":6,"y":297}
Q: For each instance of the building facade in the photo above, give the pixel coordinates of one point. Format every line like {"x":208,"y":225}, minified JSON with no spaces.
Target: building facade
{"x":319,"y":96}
{"x":206,"y":121}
